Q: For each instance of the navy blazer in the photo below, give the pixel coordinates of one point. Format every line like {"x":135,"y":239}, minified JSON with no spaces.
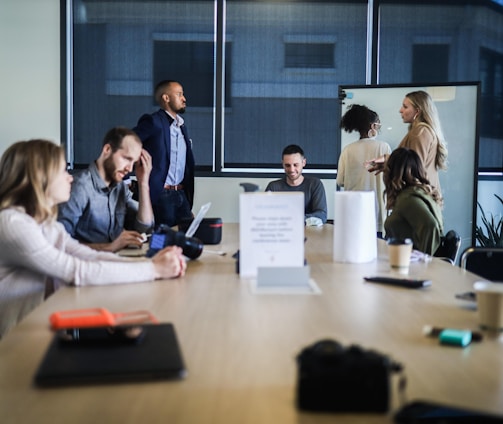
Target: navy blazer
{"x":153,"y":130}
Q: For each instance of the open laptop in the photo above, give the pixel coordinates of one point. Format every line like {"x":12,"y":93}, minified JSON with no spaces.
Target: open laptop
{"x":96,"y":357}
{"x":197,"y":220}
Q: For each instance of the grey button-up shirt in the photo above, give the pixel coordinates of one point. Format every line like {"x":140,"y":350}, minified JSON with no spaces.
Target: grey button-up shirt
{"x":97,"y":213}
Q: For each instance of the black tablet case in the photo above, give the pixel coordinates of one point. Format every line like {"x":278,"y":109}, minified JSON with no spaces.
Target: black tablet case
{"x":155,"y":356}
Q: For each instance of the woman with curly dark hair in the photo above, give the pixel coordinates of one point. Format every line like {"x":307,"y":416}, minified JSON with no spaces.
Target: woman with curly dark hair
{"x":415,"y":205}
{"x":351,"y":175}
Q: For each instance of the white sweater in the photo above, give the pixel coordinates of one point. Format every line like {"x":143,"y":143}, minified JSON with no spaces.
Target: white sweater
{"x":353,"y":176}
{"x":32,"y":254}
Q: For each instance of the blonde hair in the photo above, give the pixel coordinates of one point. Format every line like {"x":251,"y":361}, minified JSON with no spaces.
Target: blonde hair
{"x":428,"y":115}
{"x":26,"y":170}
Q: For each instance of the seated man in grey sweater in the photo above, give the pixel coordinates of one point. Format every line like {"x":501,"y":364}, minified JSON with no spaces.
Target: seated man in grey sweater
{"x":315,"y":202}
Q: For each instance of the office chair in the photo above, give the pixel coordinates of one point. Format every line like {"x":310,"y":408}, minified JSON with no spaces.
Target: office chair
{"x":249,"y":186}
{"x":449,"y":247}
{"x":484,"y":261}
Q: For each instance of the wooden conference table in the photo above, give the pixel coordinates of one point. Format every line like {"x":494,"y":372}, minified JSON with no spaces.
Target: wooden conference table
{"x":240,"y":347}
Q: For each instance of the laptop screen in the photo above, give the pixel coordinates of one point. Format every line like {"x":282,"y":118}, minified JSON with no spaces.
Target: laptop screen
{"x":197,"y":220}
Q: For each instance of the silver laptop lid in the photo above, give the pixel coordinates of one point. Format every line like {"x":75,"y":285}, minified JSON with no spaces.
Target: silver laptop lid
{"x":197,"y":220}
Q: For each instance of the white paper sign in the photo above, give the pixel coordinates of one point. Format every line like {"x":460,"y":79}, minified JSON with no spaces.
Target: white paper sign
{"x":271,"y":231}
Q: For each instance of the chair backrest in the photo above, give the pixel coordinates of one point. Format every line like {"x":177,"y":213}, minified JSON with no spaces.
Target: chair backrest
{"x":249,"y":187}
{"x":484,"y":261}
{"x":449,"y":247}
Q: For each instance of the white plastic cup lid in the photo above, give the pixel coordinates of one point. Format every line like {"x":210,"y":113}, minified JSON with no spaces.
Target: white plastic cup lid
{"x":488,"y":287}
{"x":398,"y":241}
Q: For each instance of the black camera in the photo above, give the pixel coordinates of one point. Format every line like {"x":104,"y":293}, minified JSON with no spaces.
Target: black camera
{"x":164,"y":236}
{"x":332,"y":378}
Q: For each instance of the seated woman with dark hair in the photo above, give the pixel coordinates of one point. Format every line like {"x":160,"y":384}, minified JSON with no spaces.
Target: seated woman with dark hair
{"x":416,"y":206}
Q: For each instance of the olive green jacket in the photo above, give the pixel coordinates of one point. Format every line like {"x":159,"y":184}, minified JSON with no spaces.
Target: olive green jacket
{"x":417,"y":216}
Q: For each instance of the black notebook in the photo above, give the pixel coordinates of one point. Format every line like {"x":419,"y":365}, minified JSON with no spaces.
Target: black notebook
{"x":102,"y":355}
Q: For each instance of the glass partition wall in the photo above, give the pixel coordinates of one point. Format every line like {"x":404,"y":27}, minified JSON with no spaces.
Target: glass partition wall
{"x":287,"y":61}
{"x":262,"y":74}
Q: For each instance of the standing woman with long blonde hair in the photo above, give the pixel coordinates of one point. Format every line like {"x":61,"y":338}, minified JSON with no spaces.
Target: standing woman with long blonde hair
{"x":425,"y":134}
{"x":38,"y":254}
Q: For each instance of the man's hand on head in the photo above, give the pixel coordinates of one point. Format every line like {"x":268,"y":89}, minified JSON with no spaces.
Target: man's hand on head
{"x":143,"y":167}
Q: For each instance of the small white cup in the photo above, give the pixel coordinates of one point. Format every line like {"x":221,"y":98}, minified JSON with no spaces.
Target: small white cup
{"x":399,"y":251}
{"x":489,"y":305}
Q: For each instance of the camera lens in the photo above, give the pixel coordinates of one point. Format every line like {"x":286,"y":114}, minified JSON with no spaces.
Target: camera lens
{"x":164,"y":236}
{"x":192,"y":247}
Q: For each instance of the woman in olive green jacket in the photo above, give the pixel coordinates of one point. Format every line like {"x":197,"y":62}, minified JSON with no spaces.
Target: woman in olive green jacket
{"x":415,"y":205}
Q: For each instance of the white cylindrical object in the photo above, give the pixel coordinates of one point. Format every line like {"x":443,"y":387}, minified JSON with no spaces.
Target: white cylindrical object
{"x":489,"y":305}
{"x":355,"y":234}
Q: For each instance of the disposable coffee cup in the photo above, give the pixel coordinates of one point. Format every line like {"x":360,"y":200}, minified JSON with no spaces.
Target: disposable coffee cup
{"x":489,"y":305}
{"x":399,"y":251}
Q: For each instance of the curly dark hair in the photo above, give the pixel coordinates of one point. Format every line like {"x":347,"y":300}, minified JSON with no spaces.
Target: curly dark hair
{"x":359,"y":118}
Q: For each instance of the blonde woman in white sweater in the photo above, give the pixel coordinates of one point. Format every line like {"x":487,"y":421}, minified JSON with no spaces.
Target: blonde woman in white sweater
{"x":37,"y":254}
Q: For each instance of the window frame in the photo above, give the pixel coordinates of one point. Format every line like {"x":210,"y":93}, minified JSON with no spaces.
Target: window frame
{"x":217,"y":168}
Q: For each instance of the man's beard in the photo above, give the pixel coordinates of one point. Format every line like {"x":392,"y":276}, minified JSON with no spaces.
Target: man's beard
{"x":181,"y":110}
{"x":110,"y":169}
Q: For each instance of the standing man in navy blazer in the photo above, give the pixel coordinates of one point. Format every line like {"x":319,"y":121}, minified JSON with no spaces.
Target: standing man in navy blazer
{"x":165,"y":137}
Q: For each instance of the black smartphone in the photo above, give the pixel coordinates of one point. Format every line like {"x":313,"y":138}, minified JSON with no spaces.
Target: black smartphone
{"x":435,"y":413}
{"x":409,"y":283}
